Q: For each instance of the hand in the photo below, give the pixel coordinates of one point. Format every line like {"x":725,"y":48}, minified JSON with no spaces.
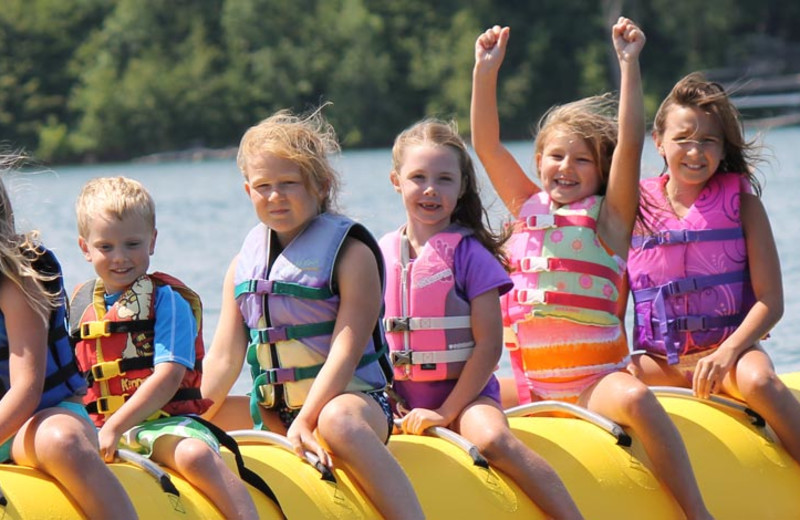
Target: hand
{"x":420,"y":419}
{"x":301,"y":435}
{"x":490,"y":47}
{"x":628,"y":39}
{"x":108,"y":439}
{"x":710,"y":372}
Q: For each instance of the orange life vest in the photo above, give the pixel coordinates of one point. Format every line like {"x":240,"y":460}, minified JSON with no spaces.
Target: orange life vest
{"x":114,"y":348}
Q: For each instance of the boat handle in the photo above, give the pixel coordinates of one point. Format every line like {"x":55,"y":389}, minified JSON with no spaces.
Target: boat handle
{"x":549,"y":406}
{"x":726,"y":402}
{"x":455,"y":439}
{"x":150,"y":467}
{"x":275,"y":439}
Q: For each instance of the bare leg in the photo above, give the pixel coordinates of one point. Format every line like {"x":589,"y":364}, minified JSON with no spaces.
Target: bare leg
{"x":64,"y":446}
{"x":353,"y":427}
{"x":754,"y":380}
{"x":205,"y":470}
{"x":508,"y":392}
{"x":626,"y":400}
{"x":484,"y":424}
{"x":234,"y":414}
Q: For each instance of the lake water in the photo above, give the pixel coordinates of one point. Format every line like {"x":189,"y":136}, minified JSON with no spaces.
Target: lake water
{"x":203,"y":214}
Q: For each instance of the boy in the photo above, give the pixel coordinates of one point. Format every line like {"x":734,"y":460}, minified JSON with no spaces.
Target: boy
{"x":138,"y":338}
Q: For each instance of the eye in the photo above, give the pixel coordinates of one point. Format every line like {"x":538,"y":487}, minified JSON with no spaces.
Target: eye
{"x":132,"y":244}
{"x":103,"y":247}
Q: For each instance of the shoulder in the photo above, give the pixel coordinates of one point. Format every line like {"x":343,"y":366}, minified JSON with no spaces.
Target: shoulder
{"x":477,"y":270}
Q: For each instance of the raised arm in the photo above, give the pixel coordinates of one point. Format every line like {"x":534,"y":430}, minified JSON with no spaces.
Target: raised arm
{"x":223,"y":361}
{"x":622,"y":194}
{"x":508,"y":178}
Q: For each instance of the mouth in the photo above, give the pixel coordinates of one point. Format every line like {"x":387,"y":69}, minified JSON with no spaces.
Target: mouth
{"x":565,"y":183}
{"x":694,"y":167}
{"x":429,"y":206}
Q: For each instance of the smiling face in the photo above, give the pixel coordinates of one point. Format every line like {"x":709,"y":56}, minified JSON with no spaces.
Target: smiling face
{"x":691,"y":144}
{"x":280,"y":196}
{"x":119,"y":249}
{"x":429,"y":179}
{"x":567,"y":168}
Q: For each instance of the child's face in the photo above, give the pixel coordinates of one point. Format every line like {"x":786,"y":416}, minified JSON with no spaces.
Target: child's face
{"x":280,"y":197}
{"x":119,"y":250}
{"x":430,"y":182}
{"x":692,"y":145}
{"x":567,"y":168}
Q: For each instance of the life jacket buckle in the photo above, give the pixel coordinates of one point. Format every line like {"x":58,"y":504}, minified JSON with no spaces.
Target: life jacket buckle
{"x":540,"y":221}
{"x":530,"y":296}
{"x":533,"y":264}
{"x":109,"y":404}
{"x":401,"y":357}
{"x":106,"y":370}
{"x":95,"y":329}
{"x":397,"y":324}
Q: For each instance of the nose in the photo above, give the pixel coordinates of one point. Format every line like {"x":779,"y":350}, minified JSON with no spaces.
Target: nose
{"x":430,"y":189}
{"x":274,"y":194}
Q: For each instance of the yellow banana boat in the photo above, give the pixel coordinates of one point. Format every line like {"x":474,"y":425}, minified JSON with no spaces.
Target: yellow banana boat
{"x":742,"y":470}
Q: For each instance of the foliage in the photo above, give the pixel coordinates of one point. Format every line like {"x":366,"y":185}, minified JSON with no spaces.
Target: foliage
{"x":115,"y":79}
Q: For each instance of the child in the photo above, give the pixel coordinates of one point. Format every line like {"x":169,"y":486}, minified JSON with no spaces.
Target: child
{"x":38,"y":427}
{"x":302,"y":301}
{"x":137,"y":338}
{"x":704,"y":269}
{"x":568,"y":250}
{"x":443,"y":324}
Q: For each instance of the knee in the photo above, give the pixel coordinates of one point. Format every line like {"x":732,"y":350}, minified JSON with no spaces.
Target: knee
{"x":759,"y":384}
{"x":637,"y":401}
{"x":63,"y":438}
{"x":494,"y":442}
{"x":338,"y":425}
{"x":194,"y":455}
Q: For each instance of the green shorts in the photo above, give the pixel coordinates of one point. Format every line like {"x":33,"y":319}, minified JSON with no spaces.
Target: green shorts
{"x":76,"y":408}
{"x":142,"y":438}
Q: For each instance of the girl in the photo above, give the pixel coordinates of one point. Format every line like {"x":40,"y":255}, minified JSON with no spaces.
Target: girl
{"x":307,"y":273}
{"x":444,"y":264}
{"x":41,"y":414}
{"x":565,"y":314}
{"x":704,"y":269}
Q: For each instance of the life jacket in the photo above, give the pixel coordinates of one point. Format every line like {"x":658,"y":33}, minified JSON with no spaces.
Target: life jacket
{"x":290,"y":306}
{"x":62,"y":377}
{"x":115,"y":348}
{"x":561,"y":317}
{"x":689,"y":276}
{"x":427,"y":324}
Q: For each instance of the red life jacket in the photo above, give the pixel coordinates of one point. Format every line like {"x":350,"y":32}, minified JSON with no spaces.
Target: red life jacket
{"x":114,"y":348}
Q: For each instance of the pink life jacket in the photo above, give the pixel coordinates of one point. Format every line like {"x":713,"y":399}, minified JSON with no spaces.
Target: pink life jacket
{"x":689,"y":276}
{"x":562,"y":275}
{"x":427,"y":324}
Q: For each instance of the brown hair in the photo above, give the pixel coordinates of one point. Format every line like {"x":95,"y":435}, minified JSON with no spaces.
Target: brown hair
{"x":469,"y":211}
{"x":694,"y":90}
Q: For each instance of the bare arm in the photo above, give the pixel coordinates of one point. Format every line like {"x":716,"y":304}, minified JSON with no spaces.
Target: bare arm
{"x":765,"y":277}
{"x":223,"y":361}
{"x":150,"y":397}
{"x":359,"y":308}
{"x":508,"y":178}
{"x":622,"y":194}
{"x":27,"y":340}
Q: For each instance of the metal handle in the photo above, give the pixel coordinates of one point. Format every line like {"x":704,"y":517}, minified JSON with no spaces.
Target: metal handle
{"x":274,"y":439}
{"x":541,"y":407}
{"x":455,"y":439}
{"x":150,"y":467}
{"x":726,"y":402}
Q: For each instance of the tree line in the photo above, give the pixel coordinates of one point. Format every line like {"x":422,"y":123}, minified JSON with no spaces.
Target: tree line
{"x":101,"y":80}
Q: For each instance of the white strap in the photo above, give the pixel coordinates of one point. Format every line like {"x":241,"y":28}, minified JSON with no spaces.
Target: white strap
{"x":441,"y":356}
{"x":438,"y":323}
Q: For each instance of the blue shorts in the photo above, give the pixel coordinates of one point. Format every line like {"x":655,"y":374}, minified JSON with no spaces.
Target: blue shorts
{"x":76,"y":408}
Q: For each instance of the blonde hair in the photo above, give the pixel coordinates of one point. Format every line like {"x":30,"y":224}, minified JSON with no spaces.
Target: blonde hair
{"x":18,"y":251}
{"x":593,"y":119}
{"x":117,"y":197}
{"x":469,"y":211}
{"x":306,"y":141}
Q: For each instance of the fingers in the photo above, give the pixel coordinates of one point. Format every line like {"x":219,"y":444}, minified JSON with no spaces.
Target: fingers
{"x":626,"y":29}
{"x":495,"y":36}
{"x":707,"y":379}
{"x":302,"y":443}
